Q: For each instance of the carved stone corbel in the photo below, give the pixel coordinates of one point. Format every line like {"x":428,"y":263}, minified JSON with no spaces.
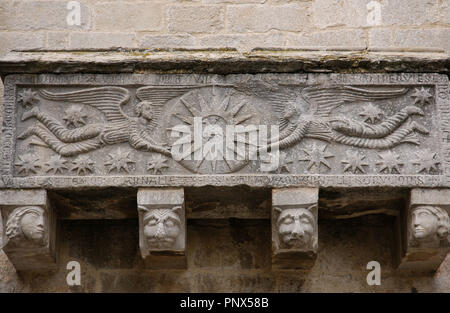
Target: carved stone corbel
{"x":294,"y":227}
{"x":162,"y":227}
{"x":29,"y":229}
{"x":426,"y":229}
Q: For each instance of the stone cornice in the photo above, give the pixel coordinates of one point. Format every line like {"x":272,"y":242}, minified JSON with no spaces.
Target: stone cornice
{"x":226,"y":61}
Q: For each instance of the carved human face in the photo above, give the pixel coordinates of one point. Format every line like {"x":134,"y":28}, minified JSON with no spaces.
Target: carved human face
{"x":161,"y":228}
{"x":147,"y":111}
{"x":424,"y":224}
{"x":32,"y":225}
{"x":296,"y":227}
{"x":289,"y":113}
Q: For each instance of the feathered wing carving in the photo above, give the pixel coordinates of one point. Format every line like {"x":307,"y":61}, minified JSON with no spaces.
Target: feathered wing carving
{"x":159,"y":95}
{"x":326,"y":99}
{"x":277,"y":96}
{"x":106,"y":99}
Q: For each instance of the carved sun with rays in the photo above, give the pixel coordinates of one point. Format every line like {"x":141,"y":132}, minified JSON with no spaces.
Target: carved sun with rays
{"x":214,"y":108}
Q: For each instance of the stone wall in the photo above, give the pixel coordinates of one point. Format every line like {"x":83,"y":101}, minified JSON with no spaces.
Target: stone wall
{"x":226,"y":255}
{"x":242,"y":24}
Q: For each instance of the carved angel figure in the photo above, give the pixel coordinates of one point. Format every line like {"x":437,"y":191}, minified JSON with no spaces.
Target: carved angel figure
{"x":119,"y":127}
{"x":319,"y":122}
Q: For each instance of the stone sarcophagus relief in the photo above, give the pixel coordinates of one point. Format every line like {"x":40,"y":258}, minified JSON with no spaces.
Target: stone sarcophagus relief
{"x":29,"y":229}
{"x":337,"y":130}
{"x":162,"y":227}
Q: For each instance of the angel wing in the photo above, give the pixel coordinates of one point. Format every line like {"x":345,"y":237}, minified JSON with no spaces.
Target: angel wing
{"x":278,"y":96}
{"x":106,"y":99}
{"x":325,"y":99}
{"x":159,"y":95}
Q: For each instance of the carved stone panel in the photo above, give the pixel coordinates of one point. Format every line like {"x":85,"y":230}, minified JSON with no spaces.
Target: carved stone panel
{"x":195,"y":130}
{"x":294,"y":227}
{"x":29,"y":229}
{"x":162,"y":227}
{"x":427,"y":229}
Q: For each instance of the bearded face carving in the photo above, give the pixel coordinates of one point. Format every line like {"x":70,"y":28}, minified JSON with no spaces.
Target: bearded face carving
{"x":161,"y":227}
{"x":296,"y":228}
{"x":429,"y":223}
{"x":26,"y":223}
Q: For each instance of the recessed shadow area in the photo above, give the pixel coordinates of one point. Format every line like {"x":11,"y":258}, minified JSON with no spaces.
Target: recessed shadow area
{"x":354,"y":202}
{"x":105,"y":203}
{"x":228,"y":202}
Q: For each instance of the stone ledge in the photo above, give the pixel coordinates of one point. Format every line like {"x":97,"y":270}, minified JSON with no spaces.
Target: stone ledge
{"x":227,"y":61}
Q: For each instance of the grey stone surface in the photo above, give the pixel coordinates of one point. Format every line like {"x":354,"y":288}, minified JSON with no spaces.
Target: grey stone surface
{"x":195,"y":19}
{"x":335,"y":130}
{"x":37,"y":15}
{"x":221,"y":59}
{"x":140,"y":16}
{"x":260,"y":18}
{"x":101,"y":40}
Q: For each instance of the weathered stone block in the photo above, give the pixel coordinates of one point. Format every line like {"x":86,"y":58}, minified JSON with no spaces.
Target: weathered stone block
{"x":21,"y":40}
{"x":97,"y":40}
{"x":261,"y":18}
{"x":356,"y":13}
{"x":423,"y":38}
{"x":195,"y":19}
{"x":294,"y":227}
{"x":334,"y":13}
{"x":426,"y":239}
{"x":166,"y":41}
{"x":29,"y":229}
{"x":349,"y":39}
{"x":128,"y":16}
{"x":162,"y":227}
{"x":410,"y":12}
{"x":40,"y":15}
